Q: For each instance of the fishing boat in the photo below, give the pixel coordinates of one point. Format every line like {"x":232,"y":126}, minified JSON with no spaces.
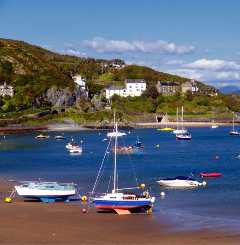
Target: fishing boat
{"x":119,"y":200}
{"x":234,"y":132}
{"x":180,"y":181}
{"x":210,"y":175}
{"x":46,"y":191}
{"x":184,"y":135}
{"x":42,"y":136}
{"x":178,"y":130}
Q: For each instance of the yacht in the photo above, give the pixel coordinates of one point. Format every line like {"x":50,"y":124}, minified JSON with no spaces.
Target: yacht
{"x":180,"y":181}
{"x":178,"y":130}
{"x":234,"y":132}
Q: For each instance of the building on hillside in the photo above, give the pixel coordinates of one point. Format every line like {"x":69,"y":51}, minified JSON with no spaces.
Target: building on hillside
{"x":167,"y":87}
{"x":6,"y":90}
{"x":80,"y":81}
{"x":190,"y":86}
{"x":133,"y":87}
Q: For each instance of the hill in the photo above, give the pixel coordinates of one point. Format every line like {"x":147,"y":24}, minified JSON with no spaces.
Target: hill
{"x":43,"y":79}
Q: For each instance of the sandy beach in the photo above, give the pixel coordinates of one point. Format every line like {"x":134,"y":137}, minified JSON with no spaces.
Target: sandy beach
{"x":28,"y":222}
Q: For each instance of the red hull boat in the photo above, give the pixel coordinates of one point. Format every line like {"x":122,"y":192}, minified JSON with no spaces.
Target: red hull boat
{"x":209,"y":175}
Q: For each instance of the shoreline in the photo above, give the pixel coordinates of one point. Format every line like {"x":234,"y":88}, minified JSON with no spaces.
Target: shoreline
{"x":78,"y":127}
{"x":30,"y":222}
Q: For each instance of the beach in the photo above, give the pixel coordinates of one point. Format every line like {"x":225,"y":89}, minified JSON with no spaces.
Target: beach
{"x":30,"y":222}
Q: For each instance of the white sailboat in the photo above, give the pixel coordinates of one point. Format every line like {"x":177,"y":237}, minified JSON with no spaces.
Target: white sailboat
{"x":234,"y":132}
{"x":113,"y":133}
{"x":184,"y":135}
{"x":179,"y":131}
{"x":118,"y":200}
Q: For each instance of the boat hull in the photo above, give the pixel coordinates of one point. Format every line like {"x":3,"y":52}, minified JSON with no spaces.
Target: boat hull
{"x":122,"y":204}
{"x":179,"y":183}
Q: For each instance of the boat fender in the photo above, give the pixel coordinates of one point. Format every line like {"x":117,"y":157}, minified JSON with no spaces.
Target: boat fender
{"x":84,"y":198}
{"x":84,"y":210}
{"x":162,"y":194}
{"x":8,"y":200}
{"x":204,"y":183}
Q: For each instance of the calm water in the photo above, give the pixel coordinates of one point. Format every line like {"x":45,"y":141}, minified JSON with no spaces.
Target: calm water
{"x":216,"y":206}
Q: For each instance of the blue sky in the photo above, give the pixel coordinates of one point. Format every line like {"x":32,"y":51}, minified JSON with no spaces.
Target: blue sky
{"x":198,"y":39}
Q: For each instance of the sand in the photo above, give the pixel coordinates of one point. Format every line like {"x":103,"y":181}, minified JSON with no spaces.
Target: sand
{"x":24,"y":222}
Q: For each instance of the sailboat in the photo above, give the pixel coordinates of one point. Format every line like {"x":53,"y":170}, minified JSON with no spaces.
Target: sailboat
{"x":115,"y":134}
{"x":184,"y":135}
{"x":234,"y":132}
{"x":179,"y":131}
{"x":118,"y":200}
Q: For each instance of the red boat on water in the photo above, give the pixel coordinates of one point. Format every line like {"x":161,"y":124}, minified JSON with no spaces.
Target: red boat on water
{"x":209,"y":175}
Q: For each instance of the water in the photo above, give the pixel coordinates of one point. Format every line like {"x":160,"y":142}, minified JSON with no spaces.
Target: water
{"x":216,"y":206}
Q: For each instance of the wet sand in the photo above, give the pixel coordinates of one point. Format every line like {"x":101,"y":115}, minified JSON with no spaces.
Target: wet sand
{"x":24,"y":222}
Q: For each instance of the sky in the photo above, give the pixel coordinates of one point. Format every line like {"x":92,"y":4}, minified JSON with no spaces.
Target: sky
{"x":195,"y":39}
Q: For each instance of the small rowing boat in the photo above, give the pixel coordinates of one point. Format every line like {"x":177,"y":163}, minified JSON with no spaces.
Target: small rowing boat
{"x":210,"y":175}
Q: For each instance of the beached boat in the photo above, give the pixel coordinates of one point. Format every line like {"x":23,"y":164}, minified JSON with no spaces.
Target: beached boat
{"x":42,"y":136}
{"x":180,"y":181}
{"x":210,"y":175}
{"x":46,"y":191}
{"x":118,"y":200}
{"x":234,"y":132}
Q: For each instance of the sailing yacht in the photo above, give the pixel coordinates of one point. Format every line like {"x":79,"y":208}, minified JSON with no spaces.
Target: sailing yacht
{"x":234,"y":132}
{"x":115,"y":134}
{"x":118,"y":200}
{"x":184,"y":135}
{"x":179,"y":131}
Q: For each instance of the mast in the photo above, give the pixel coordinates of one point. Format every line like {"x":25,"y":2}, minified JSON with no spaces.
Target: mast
{"x":233,"y":124}
{"x":182,"y":117}
{"x":177,"y":118}
{"x":115,"y":158}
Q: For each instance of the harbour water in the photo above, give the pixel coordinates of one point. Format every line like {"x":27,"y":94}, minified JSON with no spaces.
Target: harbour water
{"x":211,"y":150}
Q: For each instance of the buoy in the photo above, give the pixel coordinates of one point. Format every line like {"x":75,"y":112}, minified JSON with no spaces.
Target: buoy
{"x":162,"y":194}
{"x":157,"y":145}
{"x":217,"y":157}
{"x":81,"y":141}
{"x":8,"y":200}
{"x":204,"y":183}
{"x":142,"y":186}
{"x":84,"y":198}
{"x":84,"y":210}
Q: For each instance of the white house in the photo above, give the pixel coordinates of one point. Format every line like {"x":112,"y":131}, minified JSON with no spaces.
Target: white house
{"x":80,"y":81}
{"x":133,"y":87}
{"x":6,"y":90}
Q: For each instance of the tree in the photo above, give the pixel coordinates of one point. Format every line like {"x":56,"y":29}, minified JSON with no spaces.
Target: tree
{"x":151,"y":92}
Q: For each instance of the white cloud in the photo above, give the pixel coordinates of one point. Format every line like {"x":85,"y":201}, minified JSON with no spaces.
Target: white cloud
{"x":74,"y":52}
{"x":214,"y":65}
{"x":102,"y":45}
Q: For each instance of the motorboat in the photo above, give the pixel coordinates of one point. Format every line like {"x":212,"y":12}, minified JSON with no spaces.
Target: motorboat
{"x":72,"y":144}
{"x":167,"y":129}
{"x":210,"y":175}
{"x":77,"y":149}
{"x":180,"y":181}
{"x":119,"y":200}
{"x":59,"y":137}
{"x":186,"y":136}
{"x":137,"y":148}
{"x":42,"y":136}
{"x":46,"y":191}
{"x":114,"y":134}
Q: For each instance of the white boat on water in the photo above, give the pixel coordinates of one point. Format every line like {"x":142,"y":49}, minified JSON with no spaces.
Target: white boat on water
{"x":183,"y":134}
{"x":77,"y":149}
{"x":234,"y":132}
{"x":180,"y":181}
{"x":42,"y":136}
{"x":72,"y":144}
{"x":114,"y":134}
{"x":214,"y":126}
{"x":178,"y":130}
{"x":59,"y":137}
{"x":46,"y":191}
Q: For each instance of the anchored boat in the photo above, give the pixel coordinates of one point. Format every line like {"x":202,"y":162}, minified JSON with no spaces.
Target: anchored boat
{"x":46,"y":191}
